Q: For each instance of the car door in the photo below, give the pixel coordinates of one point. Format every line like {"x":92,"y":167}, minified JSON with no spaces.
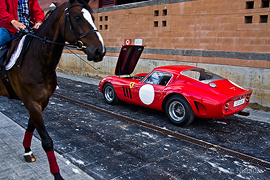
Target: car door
{"x":149,"y":91}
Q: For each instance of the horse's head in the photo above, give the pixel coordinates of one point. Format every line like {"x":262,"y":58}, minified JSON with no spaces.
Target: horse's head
{"x":79,"y":28}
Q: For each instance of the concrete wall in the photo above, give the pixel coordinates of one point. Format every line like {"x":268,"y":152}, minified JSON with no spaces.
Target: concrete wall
{"x":247,"y":77}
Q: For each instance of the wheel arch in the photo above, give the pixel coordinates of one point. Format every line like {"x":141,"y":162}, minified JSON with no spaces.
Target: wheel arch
{"x":107,"y":82}
{"x":112,"y":100}
{"x":182,"y":119}
{"x":169,"y":96}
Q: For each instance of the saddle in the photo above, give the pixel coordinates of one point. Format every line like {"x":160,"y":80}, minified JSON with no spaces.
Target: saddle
{"x":5,"y":53}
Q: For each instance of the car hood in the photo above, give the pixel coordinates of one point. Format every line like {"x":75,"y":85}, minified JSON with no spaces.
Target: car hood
{"x":127,"y":60}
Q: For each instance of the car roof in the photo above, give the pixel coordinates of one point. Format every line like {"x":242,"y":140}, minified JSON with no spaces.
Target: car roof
{"x":176,"y":69}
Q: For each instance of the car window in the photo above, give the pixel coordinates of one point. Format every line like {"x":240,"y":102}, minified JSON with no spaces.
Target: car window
{"x":201,"y":75}
{"x":158,"y":78}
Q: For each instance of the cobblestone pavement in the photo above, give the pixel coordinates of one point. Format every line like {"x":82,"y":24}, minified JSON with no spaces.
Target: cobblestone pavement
{"x":110,"y":148}
{"x":12,"y":164}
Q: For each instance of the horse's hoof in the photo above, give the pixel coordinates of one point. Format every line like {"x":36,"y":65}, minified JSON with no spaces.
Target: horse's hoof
{"x":29,"y":157}
{"x":57,"y":176}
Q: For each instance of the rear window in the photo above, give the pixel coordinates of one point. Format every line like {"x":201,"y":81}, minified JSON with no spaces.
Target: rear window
{"x":201,"y":75}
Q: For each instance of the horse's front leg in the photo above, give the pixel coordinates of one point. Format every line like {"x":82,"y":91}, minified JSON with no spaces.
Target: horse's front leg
{"x":28,"y":155}
{"x":35,"y":112}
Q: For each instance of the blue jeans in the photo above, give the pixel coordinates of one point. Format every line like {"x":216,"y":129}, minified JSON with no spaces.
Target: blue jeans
{"x":5,"y":37}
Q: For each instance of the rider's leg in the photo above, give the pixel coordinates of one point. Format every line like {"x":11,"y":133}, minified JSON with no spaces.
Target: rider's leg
{"x":4,"y":36}
{"x":5,"y":39}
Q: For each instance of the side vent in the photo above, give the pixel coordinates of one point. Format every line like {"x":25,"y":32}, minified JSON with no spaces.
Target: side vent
{"x":127,"y":92}
{"x":200,"y":108}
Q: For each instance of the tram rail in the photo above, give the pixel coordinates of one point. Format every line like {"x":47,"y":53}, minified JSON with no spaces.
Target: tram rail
{"x":224,"y":150}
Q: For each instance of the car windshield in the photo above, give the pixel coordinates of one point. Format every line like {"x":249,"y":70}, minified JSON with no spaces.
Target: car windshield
{"x":201,"y":75}
{"x":158,"y":78}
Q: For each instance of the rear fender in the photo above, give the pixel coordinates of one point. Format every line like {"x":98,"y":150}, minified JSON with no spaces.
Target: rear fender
{"x":194,"y":97}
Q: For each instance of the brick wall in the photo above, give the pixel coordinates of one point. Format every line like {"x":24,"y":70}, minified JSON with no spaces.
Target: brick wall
{"x":202,"y":31}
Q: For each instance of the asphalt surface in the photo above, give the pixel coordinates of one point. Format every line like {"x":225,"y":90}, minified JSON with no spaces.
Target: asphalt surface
{"x":105,"y":147}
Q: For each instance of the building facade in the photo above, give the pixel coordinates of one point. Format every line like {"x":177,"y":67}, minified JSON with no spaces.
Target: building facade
{"x":230,"y":38}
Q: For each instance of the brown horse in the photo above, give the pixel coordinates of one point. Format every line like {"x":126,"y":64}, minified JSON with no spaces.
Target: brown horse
{"x":34,"y":81}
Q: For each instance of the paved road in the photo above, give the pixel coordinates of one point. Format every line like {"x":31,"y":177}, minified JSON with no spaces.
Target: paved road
{"x":108,"y":148}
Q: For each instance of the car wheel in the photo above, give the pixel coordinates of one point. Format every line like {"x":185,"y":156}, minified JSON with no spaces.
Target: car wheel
{"x":109,"y":94}
{"x":179,"y":111}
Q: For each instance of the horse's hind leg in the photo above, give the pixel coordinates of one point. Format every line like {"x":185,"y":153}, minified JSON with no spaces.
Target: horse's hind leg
{"x":28,"y":155}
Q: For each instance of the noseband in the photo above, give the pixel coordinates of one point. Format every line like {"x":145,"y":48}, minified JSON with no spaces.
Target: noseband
{"x":78,"y":42}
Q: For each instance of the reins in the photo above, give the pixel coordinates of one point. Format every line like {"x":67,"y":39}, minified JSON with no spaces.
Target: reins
{"x":81,"y":58}
{"x":68,"y":46}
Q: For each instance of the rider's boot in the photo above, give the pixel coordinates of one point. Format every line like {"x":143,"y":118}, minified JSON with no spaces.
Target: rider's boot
{"x":3,"y":55}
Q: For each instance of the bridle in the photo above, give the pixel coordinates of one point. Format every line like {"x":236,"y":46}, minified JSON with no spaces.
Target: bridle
{"x":78,"y":42}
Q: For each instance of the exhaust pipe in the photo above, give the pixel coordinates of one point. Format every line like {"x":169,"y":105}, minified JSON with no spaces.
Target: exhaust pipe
{"x":244,"y":113}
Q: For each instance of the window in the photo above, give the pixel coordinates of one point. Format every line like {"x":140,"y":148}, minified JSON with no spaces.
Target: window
{"x":164,"y":23}
{"x":106,"y":3}
{"x":158,"y":78}
{"x":201,"y":75}
{"x":248,"y":19}
{"x":164,"y":12}
{"x":249,"y":4}
{"x":263,"y":18}
{"x":155,"y":23}
{"x":156,"y":13}
{"x":128,"y":1}
{"x":265,"y":4}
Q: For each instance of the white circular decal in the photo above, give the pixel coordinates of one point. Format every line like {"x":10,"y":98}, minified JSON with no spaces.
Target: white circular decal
{"x":147,"y":94}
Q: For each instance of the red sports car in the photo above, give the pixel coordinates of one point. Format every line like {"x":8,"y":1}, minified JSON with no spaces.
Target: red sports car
{"x":182,"y":92}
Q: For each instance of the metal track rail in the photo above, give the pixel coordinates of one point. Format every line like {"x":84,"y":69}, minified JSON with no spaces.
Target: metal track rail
{"x":178,"y":135}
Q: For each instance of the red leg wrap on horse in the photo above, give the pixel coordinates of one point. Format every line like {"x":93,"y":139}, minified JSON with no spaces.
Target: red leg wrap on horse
{"x":27,"y":139}
{"x":52,"y":161}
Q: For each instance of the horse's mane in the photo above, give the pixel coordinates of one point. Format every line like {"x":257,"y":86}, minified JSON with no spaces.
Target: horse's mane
{"x":85,"y":5}
{"x":49,"y":13}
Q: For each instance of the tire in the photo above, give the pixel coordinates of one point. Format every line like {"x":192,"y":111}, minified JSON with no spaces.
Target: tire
{"x":109,"y":94}
{"x":178,"y":111}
